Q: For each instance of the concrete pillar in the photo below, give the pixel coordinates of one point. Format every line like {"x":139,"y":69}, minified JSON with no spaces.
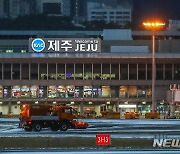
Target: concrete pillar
{"x":172,"y":110}
{"x":81,"y":109}
{"x":9,"y":107}
{"x":117,"y":107}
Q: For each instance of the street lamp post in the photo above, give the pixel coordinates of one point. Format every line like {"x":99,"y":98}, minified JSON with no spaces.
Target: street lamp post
{"x":153,"y":26}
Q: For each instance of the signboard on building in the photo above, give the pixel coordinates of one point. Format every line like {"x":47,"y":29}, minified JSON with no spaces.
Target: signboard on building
{"x":64,"y":45}
{"x":103,"y":139}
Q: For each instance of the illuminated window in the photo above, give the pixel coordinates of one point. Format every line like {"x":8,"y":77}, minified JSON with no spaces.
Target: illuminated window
{"x":149,"y":92}
{"x":97,"y":92}
{"x":6,"y":91}
{"x":141,"y":91}
{"x":16,"y":91}
{"x":42,"y":91}
{"x":78,"y":91}
{"x":106,"y":91}
{"x":132,"y":91}
{"x":87,"y":91}
{"x":1,"y":91}
{"x":52,"y":91}
{"x":123,"y":91}
{"x":70,"y":91}
{"x":61,"y":92}
{"x":34,"y":91}
{"x":25,"y":91}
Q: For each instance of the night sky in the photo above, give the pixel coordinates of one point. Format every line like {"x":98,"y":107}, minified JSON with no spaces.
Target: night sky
{"x":162,"y":9}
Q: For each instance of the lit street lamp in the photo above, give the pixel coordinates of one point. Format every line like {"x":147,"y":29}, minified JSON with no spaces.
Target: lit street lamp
{"x":153,"y":26}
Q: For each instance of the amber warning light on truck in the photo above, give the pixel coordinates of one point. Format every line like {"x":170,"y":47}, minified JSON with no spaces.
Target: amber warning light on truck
{"x":103,"y":139}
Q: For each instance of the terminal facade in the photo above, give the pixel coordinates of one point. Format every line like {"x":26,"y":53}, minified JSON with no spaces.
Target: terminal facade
{"x":89,"y":82}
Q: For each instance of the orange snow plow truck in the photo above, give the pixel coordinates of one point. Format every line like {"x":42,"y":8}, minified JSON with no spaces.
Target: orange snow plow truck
{"x":58,"y":117}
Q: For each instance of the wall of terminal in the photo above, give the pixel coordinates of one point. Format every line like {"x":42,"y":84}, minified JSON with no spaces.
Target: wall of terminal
{"x":88,"y":71}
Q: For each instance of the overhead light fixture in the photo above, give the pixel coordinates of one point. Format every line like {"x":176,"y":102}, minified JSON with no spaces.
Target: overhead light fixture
{"x":72,"y":103}
{"x":1,"y":102}
{"x":36,"y":102}
{"x":125,"y":102}
{"x":54,"y":102}
{"x":90,"y":102}
{"x":108,"y":102}
{"x":18,"y":102}
{"x":161,"y":103}
{"x":127,"y":106}
{"x":144,"y":103}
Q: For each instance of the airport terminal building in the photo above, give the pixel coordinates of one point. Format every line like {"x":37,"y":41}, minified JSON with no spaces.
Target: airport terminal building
{"x":116,"y":78}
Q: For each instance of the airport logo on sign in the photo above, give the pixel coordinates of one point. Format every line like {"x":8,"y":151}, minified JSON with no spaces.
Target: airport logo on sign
{"x":64,"y":45}
{"x":38,"y":45}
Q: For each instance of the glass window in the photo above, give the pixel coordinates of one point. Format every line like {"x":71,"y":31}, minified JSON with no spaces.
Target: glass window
{"x":61,"y":92}
{"x":114,"y":71}
{"x":43,"y":71}
{"x":141,"y":91}
{"x":0,"y":71}
{"x":16,"y":91}
{"x":132,"y":91}
{"x":97,"y":92}
{"x":124,"y":71}
{"x":25,"y":71}
{"x":79,"y":71}
{"x":7,"y":71}
{"x":6,"y":91}
{"x":149,"y":92}
{"x":141,"y":71}
{"x":52,"y":71}
{"x":168,"y":71}
{"x":78,"y":91}
{"x":70,"y":71}
{"x":34,"y":91}
{"x":42,"y":91}
{"x":1,"y":91}
{"x":176,"y":71}
{"x":106,"y":91}
{"x":25,"y":91}
{"x":105,"y":71}
{"x":52,"y":91}
{"x":61,"y":71}
{"x":16,"y":71}
{"x":70,"y":91}
{"x":123,"y":91}
{"x":149,"y":71}
{"x":87,"y":91}
{"x":159,"y":71}
{"x":34,"y":71}
{"x":97,"y":71}
{"x":87,"y":71}
{"x":132,"y":71}
{"x":114,"y":91}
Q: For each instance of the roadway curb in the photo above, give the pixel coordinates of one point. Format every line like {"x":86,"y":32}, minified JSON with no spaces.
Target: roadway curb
{"x":71,"y":142}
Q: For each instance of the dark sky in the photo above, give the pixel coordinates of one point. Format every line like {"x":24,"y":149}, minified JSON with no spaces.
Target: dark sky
{"x":163,"y":9}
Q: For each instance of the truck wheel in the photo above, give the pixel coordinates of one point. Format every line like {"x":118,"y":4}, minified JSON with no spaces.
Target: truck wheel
{"x":37,"y":127}
{"x":63,"y":126}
